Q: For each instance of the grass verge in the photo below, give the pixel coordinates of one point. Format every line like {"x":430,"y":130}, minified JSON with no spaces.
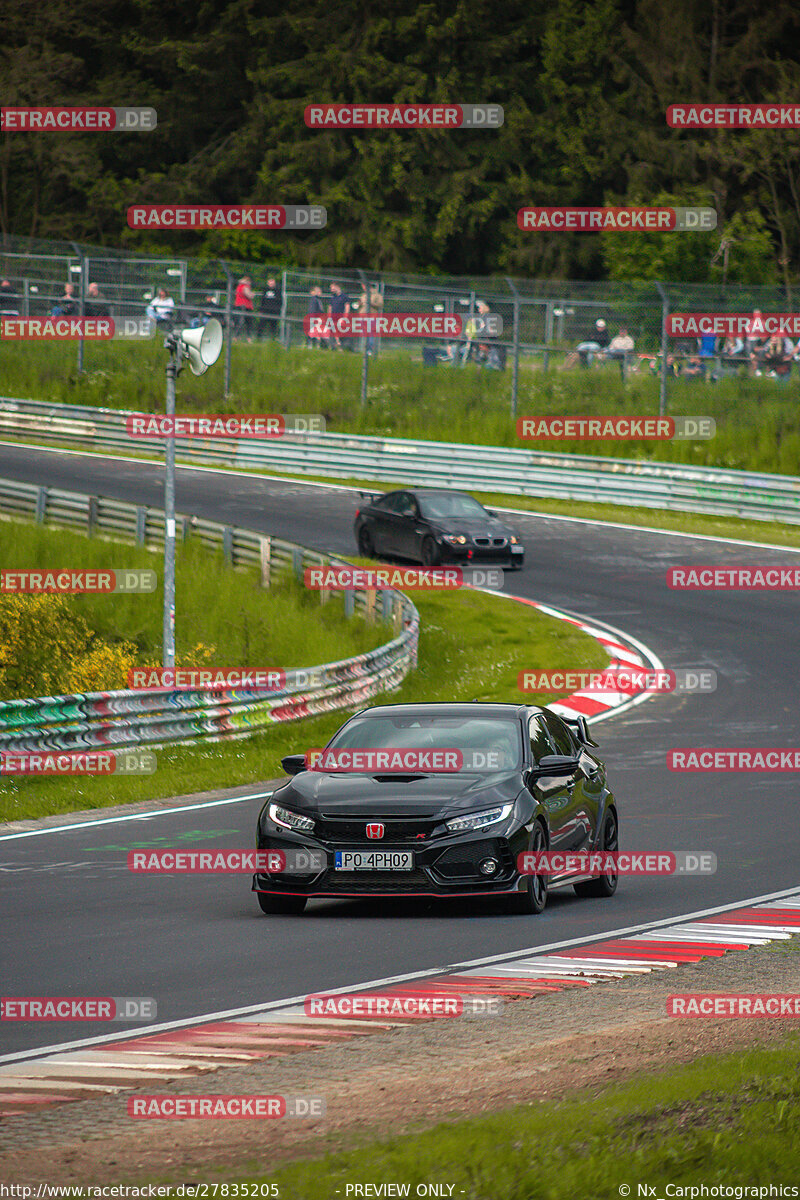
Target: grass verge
{"x":731,"y":1120}
{"x":472,"y":646}
{"x":758,"y":420}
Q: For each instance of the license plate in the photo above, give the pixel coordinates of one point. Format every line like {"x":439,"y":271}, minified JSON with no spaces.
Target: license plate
{"x":373,"y":860}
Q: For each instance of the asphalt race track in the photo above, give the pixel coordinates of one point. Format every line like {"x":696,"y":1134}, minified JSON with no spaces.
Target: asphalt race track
{"x":75,"y":922}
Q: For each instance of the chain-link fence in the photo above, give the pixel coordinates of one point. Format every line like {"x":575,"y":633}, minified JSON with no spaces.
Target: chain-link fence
{"x":546,"y":325}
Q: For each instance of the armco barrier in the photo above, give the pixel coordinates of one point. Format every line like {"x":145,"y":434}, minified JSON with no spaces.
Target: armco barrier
{"x":128,"y":719}
{"x":515,"y":472}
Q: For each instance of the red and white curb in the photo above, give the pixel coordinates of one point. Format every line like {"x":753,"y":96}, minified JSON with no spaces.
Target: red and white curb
{"x":107,"y":1066}
{"x":624,"y":651}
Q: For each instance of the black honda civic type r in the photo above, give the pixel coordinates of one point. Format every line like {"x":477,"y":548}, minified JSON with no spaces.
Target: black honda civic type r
{"x":527,"y":780}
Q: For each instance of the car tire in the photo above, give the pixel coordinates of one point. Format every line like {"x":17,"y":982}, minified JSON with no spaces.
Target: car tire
{"x":533,"y":900}
{"x":366,"y":546}
{"x":285,"y":906}
{"x":430,"y":553}
{"x":517,"y":565}
{"x":606,"y":885}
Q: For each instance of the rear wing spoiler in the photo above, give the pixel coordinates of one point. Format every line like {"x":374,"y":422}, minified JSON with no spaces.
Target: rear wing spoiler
{"x":578,"y":724}
{"x":372,"y":496}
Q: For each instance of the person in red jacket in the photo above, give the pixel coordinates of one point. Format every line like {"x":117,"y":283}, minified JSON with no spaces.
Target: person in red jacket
{"x":243,"y":303}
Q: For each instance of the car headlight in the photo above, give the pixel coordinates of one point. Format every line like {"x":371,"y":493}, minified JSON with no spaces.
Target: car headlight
{"x":455,"y":539}
{"x":490,"y":816}
{"x":514,"y":540}
{"x":289,"y":820}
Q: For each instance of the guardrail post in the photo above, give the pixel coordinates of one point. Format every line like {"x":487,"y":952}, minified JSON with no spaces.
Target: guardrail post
{"x":370,"y":597}
{"x":91,"y":517}
{"x":386,"y":606}
{"x":265,"y":559}
{"x":297,"y":563}
{"x":41,"y":505}
{"x":227,"y":544}
{"x":349,"y":603}
{"x":141,"y":525}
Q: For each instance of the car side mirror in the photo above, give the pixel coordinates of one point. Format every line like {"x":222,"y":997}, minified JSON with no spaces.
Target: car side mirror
{"x":556,"y":764}
{"x":293,"y":764}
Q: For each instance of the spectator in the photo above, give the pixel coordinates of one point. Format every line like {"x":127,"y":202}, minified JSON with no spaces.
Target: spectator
{"x":9,"y":300}
{"x":66,"y":305}
{"x":585,"y":351}
{"x":270,"y":307}
{"x":620,"y":347}
{"x":778,"y":355}
{"x":755,"y":344}
{"x":732,"y":347}
{"x":243,"y":301}
{"x":731,"y":355}
{"x":339,"y":306}
{"x":370,"y":300}
{"x":316,"y":309}
{"x":162,"y":309}
{"x":96,"y":304}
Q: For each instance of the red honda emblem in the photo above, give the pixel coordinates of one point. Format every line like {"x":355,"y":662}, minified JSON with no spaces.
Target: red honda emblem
{"x":375,"y":831}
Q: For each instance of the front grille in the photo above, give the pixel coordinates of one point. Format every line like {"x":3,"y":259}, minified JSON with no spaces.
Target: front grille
{"x":353,"y":831}
{"x":366,"y":882}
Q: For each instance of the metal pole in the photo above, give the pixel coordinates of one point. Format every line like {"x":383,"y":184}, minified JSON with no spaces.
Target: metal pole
{"x":282,"y":328}
{"x":169,"y":511}
{"x":662,"y":391}
{"x":81,"y":306}
{"x":365,"y":357}
{"x":228,"y":325}
{"x":515,"y":369}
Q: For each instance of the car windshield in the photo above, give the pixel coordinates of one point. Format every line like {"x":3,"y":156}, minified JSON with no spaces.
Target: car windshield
{"x":451,"y":506}
{"x":486,"y":744}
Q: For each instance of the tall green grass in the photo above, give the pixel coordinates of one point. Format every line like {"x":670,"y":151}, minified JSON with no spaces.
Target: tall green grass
{"x":758,"y":420}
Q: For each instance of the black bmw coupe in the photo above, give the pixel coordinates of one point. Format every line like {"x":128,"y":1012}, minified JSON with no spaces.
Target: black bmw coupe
{"x":433,"y":527}
{"x":526,"y":781}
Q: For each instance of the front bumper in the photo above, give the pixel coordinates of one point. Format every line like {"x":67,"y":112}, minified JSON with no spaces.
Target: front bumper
{"x":471,"y":555}
{"x":444,"y":867}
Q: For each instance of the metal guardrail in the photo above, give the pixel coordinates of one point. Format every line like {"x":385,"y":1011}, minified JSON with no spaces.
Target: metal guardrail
{"x":134,"y":719}
{"x":516,"y":472}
